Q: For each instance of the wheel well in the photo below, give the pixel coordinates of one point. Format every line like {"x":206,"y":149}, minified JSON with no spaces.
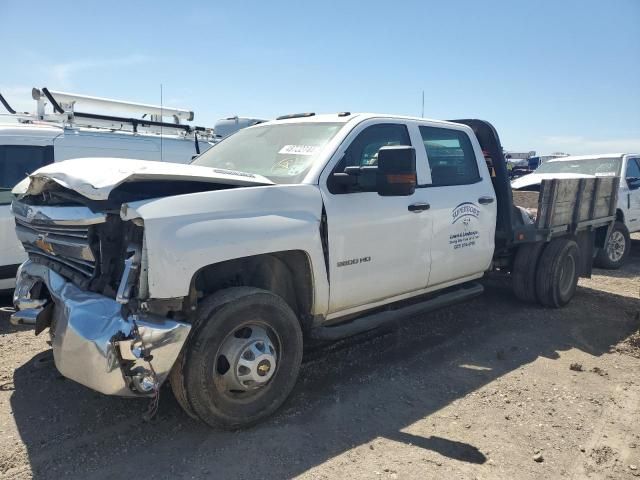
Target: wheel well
{"x":619,"y":216}
{"x":287,"y":274}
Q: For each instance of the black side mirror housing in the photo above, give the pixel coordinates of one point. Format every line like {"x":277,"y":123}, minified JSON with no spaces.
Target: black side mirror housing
{"x":396,"y":172}
{"x":355,"y":179}
{"x":633,"y":182}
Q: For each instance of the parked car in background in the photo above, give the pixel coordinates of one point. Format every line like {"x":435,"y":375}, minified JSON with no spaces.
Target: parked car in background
{"x":624,"y":165}
{"x":518,"y":171}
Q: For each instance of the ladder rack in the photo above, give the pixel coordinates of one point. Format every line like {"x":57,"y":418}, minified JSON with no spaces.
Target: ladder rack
{"x":151,"y":117}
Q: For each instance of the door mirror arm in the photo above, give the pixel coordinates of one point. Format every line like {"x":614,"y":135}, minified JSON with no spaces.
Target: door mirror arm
{"x":394,"y":175}
{"x":357,"y":179}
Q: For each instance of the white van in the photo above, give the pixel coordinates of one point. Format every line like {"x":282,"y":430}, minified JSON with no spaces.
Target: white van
{"x":30,"y":141}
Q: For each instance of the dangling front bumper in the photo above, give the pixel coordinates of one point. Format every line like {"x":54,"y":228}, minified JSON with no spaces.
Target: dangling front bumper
{"x":93,"y":342}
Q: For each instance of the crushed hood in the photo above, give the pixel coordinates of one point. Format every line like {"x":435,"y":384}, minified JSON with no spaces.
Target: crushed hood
{"x":537,"y":178}
{"x":96,"y":178}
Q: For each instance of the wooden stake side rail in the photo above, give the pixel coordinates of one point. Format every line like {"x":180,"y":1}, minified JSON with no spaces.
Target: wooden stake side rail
{"x":571,"y":205}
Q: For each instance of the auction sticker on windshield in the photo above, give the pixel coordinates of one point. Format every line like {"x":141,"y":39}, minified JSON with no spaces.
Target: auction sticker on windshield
{"x":298,"y":150}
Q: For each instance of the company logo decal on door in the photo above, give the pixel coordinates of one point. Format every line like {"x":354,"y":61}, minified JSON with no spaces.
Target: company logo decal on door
{"x":464,"y":219}
{"x":465,"y":210}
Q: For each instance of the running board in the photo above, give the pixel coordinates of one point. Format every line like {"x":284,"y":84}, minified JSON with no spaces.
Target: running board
{"x":375,"y":320}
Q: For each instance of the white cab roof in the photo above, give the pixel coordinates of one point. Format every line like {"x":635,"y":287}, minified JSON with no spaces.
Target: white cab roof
{"x":338,"y":118}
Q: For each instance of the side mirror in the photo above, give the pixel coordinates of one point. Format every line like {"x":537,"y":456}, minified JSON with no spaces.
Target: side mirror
{"x":633,"y":182}
{"x":396,"y":172}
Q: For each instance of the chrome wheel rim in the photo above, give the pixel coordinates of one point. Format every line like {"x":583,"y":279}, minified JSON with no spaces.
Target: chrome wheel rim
{"x":246,"y":361}
{"x":616,"y":246}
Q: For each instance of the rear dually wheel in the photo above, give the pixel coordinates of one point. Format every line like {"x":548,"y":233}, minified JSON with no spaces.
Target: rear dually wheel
{"x":557,"y":273}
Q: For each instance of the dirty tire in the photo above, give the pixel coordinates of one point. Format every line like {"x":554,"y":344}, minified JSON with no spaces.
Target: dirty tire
{"x":218,"y":317}
{"x":176,"y":380}
{"x":603,"y":259}
{"x":524,"y":271}
{"x":557,"y":273}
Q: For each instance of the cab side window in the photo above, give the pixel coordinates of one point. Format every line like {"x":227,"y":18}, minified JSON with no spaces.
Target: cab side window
{"x":451,"y":157}
{"x":633,"y":168}
{"x":363,"y":150}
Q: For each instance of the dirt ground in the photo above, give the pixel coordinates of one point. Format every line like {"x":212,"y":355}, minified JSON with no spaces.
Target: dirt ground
{"x":491,"y":389}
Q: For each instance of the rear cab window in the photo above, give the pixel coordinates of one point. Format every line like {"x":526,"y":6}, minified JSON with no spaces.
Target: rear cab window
{"x":17,"y":162}
{"x":451,"y":157}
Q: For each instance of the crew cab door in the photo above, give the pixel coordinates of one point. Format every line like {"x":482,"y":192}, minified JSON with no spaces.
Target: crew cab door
{"x":463,"y":203}
{"x":631,"y":197}
{"x":378,"y":246}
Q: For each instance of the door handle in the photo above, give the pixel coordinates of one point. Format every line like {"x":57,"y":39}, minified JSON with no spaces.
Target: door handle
{"x":418,"y":207}
{"x":485,"y":200}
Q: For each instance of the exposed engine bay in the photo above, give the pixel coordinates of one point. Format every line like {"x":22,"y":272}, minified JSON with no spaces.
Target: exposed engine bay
{"x":99,"y":247}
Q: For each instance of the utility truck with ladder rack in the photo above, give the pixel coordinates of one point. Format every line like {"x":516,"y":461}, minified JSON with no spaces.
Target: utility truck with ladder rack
{"x":306,"y":228}
{"x":62,"y":128}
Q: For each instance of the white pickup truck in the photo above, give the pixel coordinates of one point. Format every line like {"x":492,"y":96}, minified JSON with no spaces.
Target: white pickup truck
{"x":624,"y":165}
{"x":307,"y":227}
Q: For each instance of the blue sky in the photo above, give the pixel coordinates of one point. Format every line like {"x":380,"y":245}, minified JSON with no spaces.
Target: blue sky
{"x":550,"y":75}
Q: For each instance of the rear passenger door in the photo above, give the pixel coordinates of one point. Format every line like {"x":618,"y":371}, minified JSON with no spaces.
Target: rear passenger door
{"x":463,"y":204}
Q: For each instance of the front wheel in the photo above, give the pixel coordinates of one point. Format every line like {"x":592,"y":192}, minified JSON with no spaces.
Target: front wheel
{"x":243,"y":359}
{"x":613,"y":255}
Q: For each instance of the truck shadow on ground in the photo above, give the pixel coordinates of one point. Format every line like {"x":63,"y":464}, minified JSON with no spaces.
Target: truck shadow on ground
{"x":348,"y":395}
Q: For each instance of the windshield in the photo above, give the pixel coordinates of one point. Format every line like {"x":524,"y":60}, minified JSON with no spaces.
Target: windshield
{"x":600,"y":167}
{"x":282,"y":153}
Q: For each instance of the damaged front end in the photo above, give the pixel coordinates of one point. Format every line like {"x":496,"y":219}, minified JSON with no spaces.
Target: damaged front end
{"x":82,"y":280}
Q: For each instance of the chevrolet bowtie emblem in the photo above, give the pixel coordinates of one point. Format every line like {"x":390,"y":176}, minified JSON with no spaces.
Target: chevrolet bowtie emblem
{"x":31,"y":214}
{"x":42,"y":244}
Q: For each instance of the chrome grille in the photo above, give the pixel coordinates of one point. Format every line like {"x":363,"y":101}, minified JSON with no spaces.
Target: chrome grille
{"x":67,"y":245}
{"x":57,"y":240}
